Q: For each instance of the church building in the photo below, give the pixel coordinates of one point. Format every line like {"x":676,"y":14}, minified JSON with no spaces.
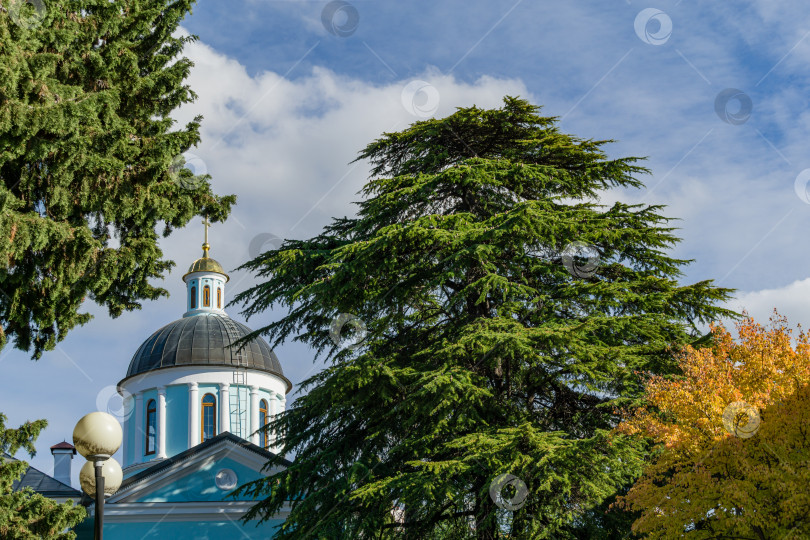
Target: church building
{"x":194,"y":404}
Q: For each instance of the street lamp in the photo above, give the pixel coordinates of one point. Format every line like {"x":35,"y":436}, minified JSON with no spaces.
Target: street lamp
{"x":97,"y":436}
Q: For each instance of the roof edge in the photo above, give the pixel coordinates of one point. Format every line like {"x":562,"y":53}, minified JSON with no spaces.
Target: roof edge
{"x":30,"y":467}
{"x":155,"y":370}
{"x":186,"y":454}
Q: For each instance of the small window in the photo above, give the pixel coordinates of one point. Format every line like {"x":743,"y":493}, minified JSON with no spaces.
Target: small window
{"x":207,"y":296}
{"x":219,"y":298}
{"x":209,"y":417}
{"x":194,"y":298}
{"x":151,"y":427}
{"x":263,"y":442}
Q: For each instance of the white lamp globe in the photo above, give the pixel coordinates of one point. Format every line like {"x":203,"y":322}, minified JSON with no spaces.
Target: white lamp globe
{"x":97,"y":434}
{"x":110,"y":470}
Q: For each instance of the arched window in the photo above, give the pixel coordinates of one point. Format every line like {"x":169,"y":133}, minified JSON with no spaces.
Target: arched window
{"x":263,"y":438}
{"x":151,"y":427}
{"x":209,"y":417}
{"x":206,"y":296}
{"x":219,"y":297}
{"x":194,"y":298}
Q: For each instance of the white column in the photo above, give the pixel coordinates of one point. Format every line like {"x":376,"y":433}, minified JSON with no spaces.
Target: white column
{"x":139,"y":428}
{"x":273,"y":406}
{"x":224,"y":407}
{"x":193,"y":415}
{"x":128,"y":408}
{"x":254,"y":414}
{"x":161,"y":449}
{"x":282,"y":405}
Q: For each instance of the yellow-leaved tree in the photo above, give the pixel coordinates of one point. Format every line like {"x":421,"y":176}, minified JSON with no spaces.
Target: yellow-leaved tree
{"x":733,"y":439}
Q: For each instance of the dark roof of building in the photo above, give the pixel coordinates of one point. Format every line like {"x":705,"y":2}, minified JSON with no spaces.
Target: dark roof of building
{"x":206,"y":339}
{"x":43,"y":484}
{"x":64,"y":446}
{"x":182,"y":456}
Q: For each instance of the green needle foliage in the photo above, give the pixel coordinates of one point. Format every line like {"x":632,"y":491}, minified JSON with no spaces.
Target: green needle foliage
{"x":24,"y":514}
{"x":493,"y":345}
{"x":88,"y":154}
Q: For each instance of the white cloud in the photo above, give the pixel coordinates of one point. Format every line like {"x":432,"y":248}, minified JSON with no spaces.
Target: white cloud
{"x":790,"y":301}
{"x":285,"y":145}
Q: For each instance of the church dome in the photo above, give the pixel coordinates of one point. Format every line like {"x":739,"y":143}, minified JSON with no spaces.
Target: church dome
{"x":196,"y":378}
{"x":204,"y":340}
{"x":207,"y":264}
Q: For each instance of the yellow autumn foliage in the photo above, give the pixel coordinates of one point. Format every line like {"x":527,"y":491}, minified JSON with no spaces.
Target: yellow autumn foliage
{"x":733,"y":439}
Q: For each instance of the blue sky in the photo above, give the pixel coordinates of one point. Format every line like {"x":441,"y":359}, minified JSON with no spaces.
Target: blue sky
{"x":287,"y":105}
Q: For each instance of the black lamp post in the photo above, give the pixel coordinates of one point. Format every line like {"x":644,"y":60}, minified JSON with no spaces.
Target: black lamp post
{"x":99,"y":529}
{"x":97,"y":436}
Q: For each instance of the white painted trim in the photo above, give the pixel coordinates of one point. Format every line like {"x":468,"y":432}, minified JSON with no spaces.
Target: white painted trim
{"x":131,"y":470}
{"x":161,"y":420}
{"x":272,"y":412}
{"x":201,"y":374}
{"x":139,"y":417}
{"x":254,"y":414}
{"x":129,"y":407}
{"x":181,"y":511}
{"x":224,"y":407}
{"x":193,"y":414}
{"x":278,"y":407}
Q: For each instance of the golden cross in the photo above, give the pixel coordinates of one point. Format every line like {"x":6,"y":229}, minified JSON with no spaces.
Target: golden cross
{"x":205,"y":245}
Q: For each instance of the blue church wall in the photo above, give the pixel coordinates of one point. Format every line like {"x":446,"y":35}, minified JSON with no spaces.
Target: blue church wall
{"x":208,"y":389}
{"x":176,"y":419}
{"x":264,"y":394}
{"x":201,"y":486}
{"x":192,"y":531}
{"x":181,"y":530}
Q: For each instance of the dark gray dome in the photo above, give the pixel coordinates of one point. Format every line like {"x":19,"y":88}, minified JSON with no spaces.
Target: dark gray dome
{"x":204,"y":340}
